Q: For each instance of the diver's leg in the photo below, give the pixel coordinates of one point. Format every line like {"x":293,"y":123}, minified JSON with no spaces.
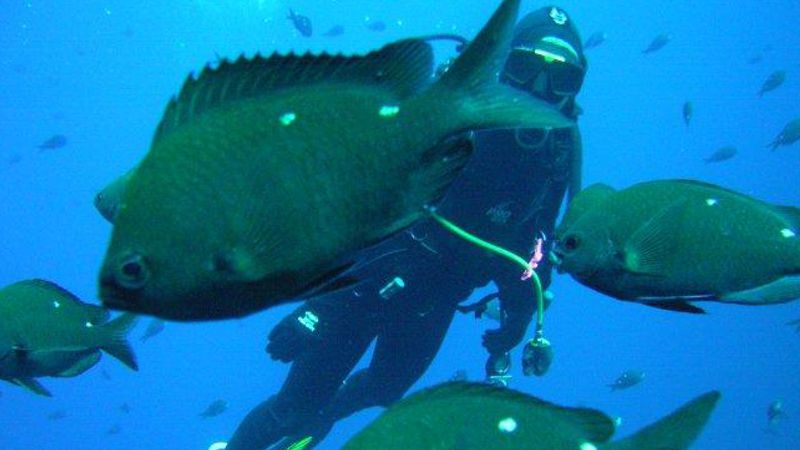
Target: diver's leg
{"x":405,"y":348}
{"x":316,"y":373}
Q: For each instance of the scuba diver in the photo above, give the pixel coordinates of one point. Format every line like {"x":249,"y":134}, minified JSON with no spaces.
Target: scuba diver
{"x":510,"y":194}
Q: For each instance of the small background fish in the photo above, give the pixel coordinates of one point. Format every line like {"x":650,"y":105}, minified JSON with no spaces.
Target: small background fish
{"x":54,"y":142}
{"x":721,"y":154}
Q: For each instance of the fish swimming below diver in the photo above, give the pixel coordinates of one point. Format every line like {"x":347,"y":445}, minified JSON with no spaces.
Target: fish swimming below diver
{"x":669,"y":243}
{"x":477,"y":416}
{"x":627,"y":380}
{"x":267,"y":176}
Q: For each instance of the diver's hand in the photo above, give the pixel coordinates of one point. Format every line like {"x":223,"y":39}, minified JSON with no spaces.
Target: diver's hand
{"x":293,"y":335}
{"x":503,"y":339}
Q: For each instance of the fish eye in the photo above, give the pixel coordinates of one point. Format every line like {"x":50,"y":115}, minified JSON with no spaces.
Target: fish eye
{"x":132,"y":271}
{"x":571,"y":243}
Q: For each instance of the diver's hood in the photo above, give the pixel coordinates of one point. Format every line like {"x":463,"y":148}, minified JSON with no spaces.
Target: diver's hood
{"x":554,"y":24}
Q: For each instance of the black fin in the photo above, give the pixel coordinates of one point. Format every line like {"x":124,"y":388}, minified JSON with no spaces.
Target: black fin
{"x":402,"y":68}
{"x":484,"y":56}
{"x":677,"y":306}
{"x":471,"y":83}
{"x":32,"y":385}
{"x":677,"y":431}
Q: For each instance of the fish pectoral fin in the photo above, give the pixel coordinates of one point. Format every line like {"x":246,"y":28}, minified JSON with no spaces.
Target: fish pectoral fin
{"x":81,"y":366}
{"x":649,"y":249}
{"x":439,"y":166}
{"x":237,"y":264}
{"x":32,"y":385}
{"x":402,"y":68}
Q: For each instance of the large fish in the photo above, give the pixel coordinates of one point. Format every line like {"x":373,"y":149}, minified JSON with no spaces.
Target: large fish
{"x":466,"y":416}
{"x":47,"y":331}
{"x":267,"y":176}
{"x":670,"y":242}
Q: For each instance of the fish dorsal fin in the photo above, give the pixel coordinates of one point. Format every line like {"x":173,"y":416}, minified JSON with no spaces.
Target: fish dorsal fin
{"x":593,"y":424}
{"x":648,"y":249}
{"x":41,"y":284}
{"x":586,"y":200}
{"x":703,"y":184}
{"x":96,"y":314}
{"x":403,"y":68}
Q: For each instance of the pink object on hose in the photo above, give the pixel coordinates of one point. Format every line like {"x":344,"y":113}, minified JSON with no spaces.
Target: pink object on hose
{"x":535,"y":259}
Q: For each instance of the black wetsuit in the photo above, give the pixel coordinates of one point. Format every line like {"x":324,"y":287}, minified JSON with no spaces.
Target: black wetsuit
{"x":511,"y":190}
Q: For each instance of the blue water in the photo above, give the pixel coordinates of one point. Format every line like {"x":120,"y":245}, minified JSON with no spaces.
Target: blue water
{"x":101,"y":72}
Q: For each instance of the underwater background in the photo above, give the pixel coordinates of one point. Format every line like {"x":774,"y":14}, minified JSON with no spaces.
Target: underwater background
{"x":99,"y":73}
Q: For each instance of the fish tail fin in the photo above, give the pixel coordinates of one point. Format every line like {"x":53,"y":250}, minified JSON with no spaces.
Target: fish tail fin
{"x":676,"y":431}
{"x":472,"y":93}
{"x":118,"y":346}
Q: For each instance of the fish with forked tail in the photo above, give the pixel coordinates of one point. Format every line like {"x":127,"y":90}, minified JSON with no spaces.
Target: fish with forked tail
{"x":47,"y":331}
{"x":267,"y":176}
{"x":669,"y":243}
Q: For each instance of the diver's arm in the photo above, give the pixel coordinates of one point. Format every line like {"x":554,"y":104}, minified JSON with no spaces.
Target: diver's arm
{"x":576,"y":165}
{"x":518,"y":302}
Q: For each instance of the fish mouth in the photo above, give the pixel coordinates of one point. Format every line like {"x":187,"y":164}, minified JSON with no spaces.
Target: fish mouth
{"x":114,"y":297}
{"x":556,"y":259}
